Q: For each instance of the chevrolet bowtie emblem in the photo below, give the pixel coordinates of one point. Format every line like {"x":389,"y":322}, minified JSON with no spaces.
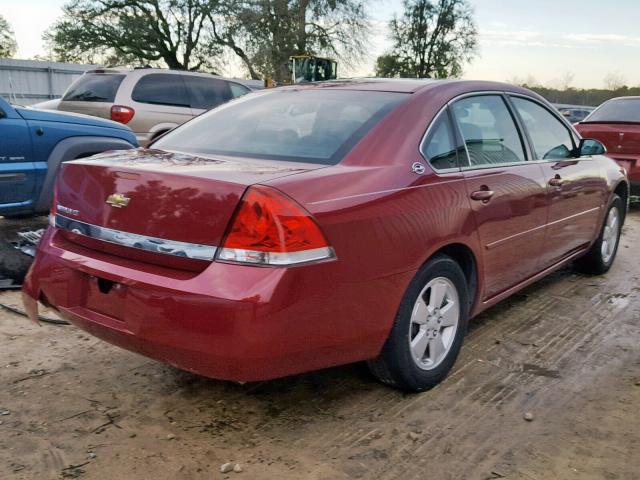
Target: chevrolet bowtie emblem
{"x":118,"y":200}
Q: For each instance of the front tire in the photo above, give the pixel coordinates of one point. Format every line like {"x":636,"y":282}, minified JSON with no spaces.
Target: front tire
{"x":429,"y":328}
{"x":600,"y":257}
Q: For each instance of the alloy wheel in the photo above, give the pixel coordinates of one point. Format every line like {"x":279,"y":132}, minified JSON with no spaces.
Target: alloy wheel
{"x":434,"y":322}
{"x":610,"y":235}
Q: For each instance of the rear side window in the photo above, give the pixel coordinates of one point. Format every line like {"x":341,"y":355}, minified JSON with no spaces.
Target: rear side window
{"x":550,"y":138}
{"x":307,"y":125}
{"x":238,"y":90}
{"x":623,"y":110}
{"x":161,"y":89}
{"x":439,"y":147}
{"x":94,"y":87}
{"x":205,"y":93}
{"x":489,"y":131}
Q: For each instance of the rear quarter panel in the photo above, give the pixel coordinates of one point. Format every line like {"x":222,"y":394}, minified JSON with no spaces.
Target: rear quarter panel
{"x":382,"y":219}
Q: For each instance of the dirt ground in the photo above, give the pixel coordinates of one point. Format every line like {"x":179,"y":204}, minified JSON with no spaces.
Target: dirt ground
{"x":565,"y":350}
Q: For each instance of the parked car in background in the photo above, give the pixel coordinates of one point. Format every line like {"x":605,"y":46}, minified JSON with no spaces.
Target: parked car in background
{"x":575,"y":114}
{"x":150,"y":101}
{"x":616,"y":124}
{"x":33,"y":145}
{"x":243,"y":249}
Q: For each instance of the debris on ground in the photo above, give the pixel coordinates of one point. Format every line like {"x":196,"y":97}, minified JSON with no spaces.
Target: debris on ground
{"x":226,"y":467}
{"x":528,"y":416}
{"x":28,"y":241}
{"x":9,"y":284}
{"x":17,"y":311}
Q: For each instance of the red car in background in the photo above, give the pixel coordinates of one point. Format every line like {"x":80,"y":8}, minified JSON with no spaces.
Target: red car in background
{"x":616,"y":124}
{"x":309,"y":226}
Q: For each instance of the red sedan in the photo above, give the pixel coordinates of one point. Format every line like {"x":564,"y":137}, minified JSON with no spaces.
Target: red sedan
{"x":304,"y":227}
{"x":616,"y":124}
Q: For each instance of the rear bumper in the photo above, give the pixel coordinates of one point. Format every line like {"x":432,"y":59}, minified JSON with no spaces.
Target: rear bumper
{"x":229,"y":322}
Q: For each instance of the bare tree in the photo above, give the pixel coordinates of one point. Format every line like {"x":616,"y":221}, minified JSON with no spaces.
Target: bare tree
{"x":614,"y":81}
{"x":432,"y":38}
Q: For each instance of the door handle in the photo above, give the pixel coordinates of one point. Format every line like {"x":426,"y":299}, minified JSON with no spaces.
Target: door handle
{"x":556,"y":181}
{"x":12,"y":177}
{"x":482,"y":195}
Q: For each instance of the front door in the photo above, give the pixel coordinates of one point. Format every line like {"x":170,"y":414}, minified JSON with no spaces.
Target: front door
{"x":17,"y":172}
{"x":506,"y":192}
{"x":576,"y":189}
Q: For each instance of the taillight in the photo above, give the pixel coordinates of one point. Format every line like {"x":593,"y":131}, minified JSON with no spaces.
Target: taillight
{"x":270,"y":228}
{"x":122,"y":114}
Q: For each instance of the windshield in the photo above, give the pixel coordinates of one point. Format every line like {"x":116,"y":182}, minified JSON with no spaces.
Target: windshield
{"x":314,"y":125}
{"x":94,"y":87}
{"x":623,"y":110}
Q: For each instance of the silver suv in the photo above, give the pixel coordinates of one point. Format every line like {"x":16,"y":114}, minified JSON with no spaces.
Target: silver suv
{"x":150,"y":101}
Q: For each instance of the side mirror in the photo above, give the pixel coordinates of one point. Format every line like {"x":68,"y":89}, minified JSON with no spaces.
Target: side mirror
{"x":589,"y":147}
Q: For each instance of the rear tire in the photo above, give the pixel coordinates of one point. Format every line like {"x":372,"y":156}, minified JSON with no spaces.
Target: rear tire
{"x":600,"y":257}
{"x":428,"y":330}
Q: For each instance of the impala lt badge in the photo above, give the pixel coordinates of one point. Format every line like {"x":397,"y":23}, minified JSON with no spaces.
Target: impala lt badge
{"x":117,"y":200}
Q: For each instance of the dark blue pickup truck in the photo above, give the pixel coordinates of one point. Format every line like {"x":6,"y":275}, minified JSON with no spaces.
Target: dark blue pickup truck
{"x":33,"y":144}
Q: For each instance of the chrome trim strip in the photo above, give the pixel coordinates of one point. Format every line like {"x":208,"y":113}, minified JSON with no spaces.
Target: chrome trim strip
{"x":133,"y":240}
{"x":491,"y":246}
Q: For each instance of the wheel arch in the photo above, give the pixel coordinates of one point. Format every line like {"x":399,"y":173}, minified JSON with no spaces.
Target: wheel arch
{"x":73,"y":148}
{"x":465,"y":257}
{"x":624,"y":192}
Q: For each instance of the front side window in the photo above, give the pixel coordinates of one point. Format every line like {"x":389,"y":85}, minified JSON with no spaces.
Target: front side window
{"x":489,"y":131}
{"x":161,"y":89}
{"x":94,"y":87}
{"x":551,"y":139}
{"x":439,"y":147}
{"x":206,"y":93}
{"x":316,"y":125}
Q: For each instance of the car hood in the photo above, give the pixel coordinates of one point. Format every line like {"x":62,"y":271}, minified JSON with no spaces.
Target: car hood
{"x":67,"y":117}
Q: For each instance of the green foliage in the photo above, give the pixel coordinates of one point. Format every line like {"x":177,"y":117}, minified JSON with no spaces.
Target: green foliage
{"x":265,"y":33}
{"x":432,"y":39}
{"x":134,"y":32}
{"x":193,"y":34}
{"x":8,"y":45}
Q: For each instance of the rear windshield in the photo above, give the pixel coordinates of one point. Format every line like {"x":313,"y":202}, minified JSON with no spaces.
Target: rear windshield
{"x":316,"y":126}
{"x":624,"y":110}
{"x":94,"y":87}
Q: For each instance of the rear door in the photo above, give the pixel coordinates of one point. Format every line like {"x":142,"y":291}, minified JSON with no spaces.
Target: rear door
{"x":576,"y":189}
{"x":507,"y":192}
{"x":18,"y":175}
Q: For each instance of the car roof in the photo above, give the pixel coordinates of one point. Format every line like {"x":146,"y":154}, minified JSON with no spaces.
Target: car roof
{"x":142,"y":71}
{"x":415,"y":85}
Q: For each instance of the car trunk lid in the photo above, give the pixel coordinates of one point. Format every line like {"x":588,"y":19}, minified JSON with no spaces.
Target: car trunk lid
{"x":619,"y":138}
{"x":152,"y":205}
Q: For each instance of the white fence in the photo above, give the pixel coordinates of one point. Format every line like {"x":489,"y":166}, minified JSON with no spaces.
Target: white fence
{"x":25,"y":82}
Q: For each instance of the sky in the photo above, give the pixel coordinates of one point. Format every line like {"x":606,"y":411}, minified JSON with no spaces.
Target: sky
{"x":549,"y":40}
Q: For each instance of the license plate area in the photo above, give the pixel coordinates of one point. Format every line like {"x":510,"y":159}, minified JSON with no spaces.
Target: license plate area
{"x":105,"y":297}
